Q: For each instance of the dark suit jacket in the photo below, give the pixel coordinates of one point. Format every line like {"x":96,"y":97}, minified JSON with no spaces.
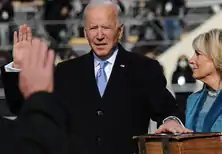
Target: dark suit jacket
{"x":37,"y":130}
{"x":135,"y":93}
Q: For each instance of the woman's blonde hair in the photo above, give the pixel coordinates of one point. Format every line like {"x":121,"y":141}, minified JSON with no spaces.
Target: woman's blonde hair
{"x":210,"y":43}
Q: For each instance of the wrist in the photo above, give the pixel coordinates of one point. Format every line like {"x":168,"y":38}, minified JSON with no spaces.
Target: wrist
{"x":174,"y":118}
{"x":28,"y":92}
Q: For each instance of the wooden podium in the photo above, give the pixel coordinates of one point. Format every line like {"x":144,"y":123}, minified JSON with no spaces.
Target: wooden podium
{"x":192,"y":143}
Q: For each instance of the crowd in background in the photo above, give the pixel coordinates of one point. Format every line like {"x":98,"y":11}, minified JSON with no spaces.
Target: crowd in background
{"x":162,"y":19}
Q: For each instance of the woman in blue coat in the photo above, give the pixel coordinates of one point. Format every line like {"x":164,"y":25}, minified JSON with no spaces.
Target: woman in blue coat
{"x":204,"y":108}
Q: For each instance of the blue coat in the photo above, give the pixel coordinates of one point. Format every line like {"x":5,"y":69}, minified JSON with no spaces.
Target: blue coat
{"x":213,"y":119}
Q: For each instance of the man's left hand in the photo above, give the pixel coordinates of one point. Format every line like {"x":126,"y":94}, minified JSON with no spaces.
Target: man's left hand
{"x":172,"y":126}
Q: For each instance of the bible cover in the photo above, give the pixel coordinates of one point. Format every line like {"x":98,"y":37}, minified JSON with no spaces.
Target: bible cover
{"x":191,"y":143}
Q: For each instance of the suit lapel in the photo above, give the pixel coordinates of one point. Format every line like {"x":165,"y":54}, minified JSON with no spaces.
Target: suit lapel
{"x":116,"y":77}
{"x":118,"y":72}
{"x":89,"y":76}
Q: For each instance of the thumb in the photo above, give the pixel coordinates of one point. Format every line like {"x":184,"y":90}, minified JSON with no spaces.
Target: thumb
{"x":49,"y":64}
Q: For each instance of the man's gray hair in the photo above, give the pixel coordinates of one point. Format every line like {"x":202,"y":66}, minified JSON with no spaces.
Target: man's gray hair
{"x":96,"y":3}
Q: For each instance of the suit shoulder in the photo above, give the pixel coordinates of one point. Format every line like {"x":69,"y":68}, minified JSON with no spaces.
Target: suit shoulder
{"x":143,"y":60}
{"x":72,"y":63}
{"x":140,"y":58}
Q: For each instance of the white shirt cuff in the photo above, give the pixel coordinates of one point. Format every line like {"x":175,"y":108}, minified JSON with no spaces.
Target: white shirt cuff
{"x":173,"y":118}
{"x":9,"y":68}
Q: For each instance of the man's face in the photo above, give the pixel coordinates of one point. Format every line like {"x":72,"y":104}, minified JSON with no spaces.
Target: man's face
{"x":102,"y":30}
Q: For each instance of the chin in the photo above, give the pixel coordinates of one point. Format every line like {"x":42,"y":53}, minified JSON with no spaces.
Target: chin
{"x":101,"y":53}
{"x":197,"y":76}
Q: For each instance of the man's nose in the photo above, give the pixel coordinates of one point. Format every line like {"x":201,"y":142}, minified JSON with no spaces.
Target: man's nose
{"x":100,"y":35}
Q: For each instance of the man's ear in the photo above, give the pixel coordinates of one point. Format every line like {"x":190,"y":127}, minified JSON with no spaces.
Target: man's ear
{"x":120,"y":33}
{"x":85,"y":35}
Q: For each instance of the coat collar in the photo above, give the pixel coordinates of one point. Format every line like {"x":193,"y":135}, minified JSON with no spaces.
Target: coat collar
{"x":117,"y":74}
{"x":198,"y":100}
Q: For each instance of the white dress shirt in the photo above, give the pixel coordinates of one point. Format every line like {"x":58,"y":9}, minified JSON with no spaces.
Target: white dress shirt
{"x":10,"y":68}
{"x":109,"y":66}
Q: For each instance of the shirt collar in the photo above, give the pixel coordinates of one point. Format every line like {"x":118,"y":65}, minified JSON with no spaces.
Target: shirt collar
{"x":111,"y":59}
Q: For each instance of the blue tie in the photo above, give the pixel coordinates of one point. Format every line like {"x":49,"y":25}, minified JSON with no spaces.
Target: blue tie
{"x":101,"y":77}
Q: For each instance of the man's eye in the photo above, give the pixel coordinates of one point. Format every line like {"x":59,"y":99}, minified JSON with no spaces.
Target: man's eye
{"x":106,"y":27}
{"x":93,"y":27}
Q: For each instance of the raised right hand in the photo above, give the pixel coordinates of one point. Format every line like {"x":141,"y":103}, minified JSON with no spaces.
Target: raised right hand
{"x":22,"y":45}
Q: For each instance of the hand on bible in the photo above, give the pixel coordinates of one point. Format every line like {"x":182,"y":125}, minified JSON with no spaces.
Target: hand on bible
{"x":37,"y":69}
{"x":172,"y":126}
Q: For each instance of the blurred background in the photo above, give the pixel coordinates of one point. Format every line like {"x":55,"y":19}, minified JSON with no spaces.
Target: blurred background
{"x":160,"y":29}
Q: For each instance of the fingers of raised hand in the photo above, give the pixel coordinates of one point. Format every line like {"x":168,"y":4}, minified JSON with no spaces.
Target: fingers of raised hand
{"x":38,"y":57}
{"x":29,"y":34}
{"x":42,"y":53}
{"x":50,"y":60}
{"x":49,"y":67}
{"x":24,"y":34}
{"x":16,"y":37}
{"x":20,"y":33}
{"x":38,"y":68}
{"x":34,"y":54}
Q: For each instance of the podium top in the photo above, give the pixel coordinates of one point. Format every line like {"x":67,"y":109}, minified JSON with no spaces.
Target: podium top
{"x":178,"y":136}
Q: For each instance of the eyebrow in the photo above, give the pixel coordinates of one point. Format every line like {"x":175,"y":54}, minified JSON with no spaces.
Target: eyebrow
{"x":196,"y":51}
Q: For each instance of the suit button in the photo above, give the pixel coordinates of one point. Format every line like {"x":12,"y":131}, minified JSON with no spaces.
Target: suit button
{"x":99,"y":113}
{"x":98,"y":140}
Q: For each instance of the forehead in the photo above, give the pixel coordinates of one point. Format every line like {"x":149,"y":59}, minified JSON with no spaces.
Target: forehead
{"x":101,"y":15}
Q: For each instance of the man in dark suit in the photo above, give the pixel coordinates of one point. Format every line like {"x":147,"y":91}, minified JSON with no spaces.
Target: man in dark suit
{"x":39,"y":128}
{"x":109,"y":94}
